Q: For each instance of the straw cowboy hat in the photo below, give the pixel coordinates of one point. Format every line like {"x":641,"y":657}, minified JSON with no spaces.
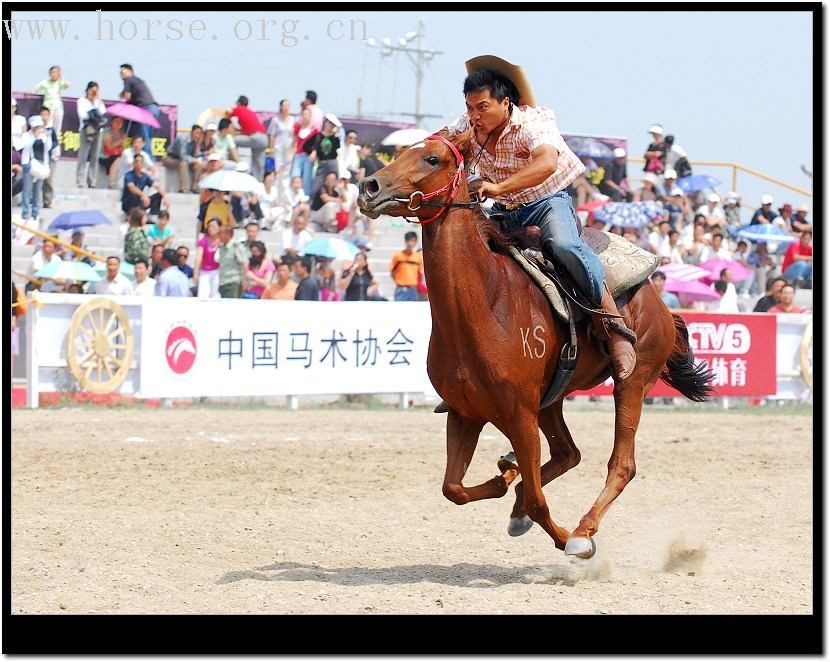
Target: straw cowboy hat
{"x":513,"y":72}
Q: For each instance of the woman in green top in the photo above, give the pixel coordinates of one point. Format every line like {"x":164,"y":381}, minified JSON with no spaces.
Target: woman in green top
{"x":136,"y":243}
{"x":51,"y":89}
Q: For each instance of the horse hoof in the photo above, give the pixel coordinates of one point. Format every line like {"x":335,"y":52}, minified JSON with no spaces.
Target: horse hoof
{"x":508,"y":462}
{"x":519,"y":526}
{"x":581,"y":547}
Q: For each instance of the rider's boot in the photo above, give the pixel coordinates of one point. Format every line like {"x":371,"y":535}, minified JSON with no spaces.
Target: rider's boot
{"x":620,"y":338}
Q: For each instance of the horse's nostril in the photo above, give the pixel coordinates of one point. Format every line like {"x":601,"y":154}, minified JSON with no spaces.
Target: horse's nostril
{"x":370,"y":188}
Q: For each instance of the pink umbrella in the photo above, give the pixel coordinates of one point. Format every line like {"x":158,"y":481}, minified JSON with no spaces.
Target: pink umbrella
{"x":716,"y":265}
{"x":133,"y":113}
{"x":683,"y":271}
{"x":693,"y":289}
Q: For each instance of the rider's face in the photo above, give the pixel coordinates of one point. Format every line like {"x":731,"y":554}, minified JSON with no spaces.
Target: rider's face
{"x":485,"y":112}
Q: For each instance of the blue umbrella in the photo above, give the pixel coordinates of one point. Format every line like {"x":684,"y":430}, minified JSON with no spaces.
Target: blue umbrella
{"x":81,"y":218}
{"x":68,"y":270}
{"x":763,"y":232}
{"x":590,"y":147}
{"x":695,"y":183}
{"x":331,"y":247}
{"x":628,"y":214}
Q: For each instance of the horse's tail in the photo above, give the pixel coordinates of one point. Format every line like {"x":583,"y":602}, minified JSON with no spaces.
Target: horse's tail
{"x":681,"y":372}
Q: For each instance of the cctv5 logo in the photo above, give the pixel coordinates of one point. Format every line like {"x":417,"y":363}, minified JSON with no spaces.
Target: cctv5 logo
{"x":719,"y":338}
{"x":180,"y":349}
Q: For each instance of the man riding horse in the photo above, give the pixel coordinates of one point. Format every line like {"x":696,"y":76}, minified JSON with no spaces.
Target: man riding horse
{"x":525,"y":167}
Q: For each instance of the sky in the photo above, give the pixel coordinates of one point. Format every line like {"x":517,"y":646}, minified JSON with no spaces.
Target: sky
{"x":730,"y":86}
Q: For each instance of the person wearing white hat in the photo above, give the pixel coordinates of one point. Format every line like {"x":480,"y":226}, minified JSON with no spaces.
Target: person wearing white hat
{"x":615,"y":182}
{"x":34,"y":159}
{"x":655,"y":154}
{"x":732,"y":213}
{"x":649,"y":192}
{"x":526,"y":167}
{"x":800,"y":221}
{"x":713,"y":212}
{"x":764,"y":214}
{"x":677,"y":159}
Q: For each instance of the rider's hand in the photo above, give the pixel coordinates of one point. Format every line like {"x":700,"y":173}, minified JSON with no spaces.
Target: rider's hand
{"x":486,"y":189}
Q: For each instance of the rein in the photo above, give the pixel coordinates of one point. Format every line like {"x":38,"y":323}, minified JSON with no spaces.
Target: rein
{"x":452,"y":187}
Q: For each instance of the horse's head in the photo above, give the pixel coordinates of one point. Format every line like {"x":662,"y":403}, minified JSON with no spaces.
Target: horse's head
{"x":429,"y":169}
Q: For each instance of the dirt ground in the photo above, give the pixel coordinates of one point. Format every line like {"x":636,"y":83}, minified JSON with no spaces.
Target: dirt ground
{"x":260,"y":510}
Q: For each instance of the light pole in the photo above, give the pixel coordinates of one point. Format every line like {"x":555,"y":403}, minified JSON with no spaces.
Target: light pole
{"x":418,"y":55}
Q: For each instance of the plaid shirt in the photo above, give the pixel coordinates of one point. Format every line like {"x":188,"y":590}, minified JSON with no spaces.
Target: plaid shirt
{"x":527,"y":129}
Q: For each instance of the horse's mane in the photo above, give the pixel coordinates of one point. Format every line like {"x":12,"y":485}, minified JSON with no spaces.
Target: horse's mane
{"x":496,"y":240}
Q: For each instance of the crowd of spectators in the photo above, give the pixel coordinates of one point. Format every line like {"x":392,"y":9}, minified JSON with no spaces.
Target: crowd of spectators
{"x":308,"y":168}
{"x":698,"y":227}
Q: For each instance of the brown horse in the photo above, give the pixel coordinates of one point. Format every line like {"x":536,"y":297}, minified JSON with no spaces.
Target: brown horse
{"x":495,"y":345}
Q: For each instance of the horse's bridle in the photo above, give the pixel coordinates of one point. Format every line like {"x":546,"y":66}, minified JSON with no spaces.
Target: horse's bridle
{"x":452,"y":187}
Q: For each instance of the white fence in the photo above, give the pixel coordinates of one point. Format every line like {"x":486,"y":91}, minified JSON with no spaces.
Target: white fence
{"x":191,"y":348}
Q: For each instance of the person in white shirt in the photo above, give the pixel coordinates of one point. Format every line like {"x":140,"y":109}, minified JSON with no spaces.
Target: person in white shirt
{"x":717,"y":251}
{"x":91,"y":118}
{"x":46,"y":255}
{"x":18,"y":128}
{"x":295,"y":237}
{"x":126,"y":163}
{"x":114,"y":282}
{"x":37,"y":146}
{"x":348,"y":156}
{"x":144,"y":285}
{"x":713,"y":211}
{"x":728,"y":303}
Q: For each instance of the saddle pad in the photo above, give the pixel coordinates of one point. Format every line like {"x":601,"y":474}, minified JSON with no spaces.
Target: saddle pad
{"x":543,"y":282}
{"x":626,"y":265}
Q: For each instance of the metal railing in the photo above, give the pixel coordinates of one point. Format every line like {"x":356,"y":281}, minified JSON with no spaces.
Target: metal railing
{"x":735,"y":168}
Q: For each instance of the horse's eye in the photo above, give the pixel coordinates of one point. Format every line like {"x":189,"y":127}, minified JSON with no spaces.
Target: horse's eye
{"x":432,"y":160}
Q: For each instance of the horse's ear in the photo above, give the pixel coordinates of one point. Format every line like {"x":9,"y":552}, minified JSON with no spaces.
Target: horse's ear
{"x":462,"y":141}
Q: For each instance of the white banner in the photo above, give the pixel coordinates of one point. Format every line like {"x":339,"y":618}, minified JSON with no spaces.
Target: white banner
{"x":224,"y":347}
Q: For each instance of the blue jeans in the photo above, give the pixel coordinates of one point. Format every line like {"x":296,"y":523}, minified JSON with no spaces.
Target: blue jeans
{"x":406,"y":293}
{"x":32,"y":194}
{"x":798,"y":270}
{"x":556,"y":218}
{"x":302,"y":166}
{"x":147,"y":130}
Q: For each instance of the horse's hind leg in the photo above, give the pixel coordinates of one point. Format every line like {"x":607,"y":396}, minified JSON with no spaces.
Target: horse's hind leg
{"x":628,"y":405}
{"x":462,"y":438}
{"x":564,"y":456}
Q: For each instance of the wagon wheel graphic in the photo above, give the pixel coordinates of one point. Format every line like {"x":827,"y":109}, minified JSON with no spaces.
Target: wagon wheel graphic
{"x":100,"y":345}
{"x":806,"y":355}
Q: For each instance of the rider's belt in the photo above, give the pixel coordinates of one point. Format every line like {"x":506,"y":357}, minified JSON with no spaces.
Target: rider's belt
{"x":510,"y":206}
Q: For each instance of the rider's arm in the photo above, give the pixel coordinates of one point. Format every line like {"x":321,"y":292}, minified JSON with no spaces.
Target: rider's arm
{"x":537,"y":171}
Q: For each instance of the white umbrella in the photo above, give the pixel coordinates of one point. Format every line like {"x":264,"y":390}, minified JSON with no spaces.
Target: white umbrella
{"x":405,"y":137}
{"x":230,"y":180}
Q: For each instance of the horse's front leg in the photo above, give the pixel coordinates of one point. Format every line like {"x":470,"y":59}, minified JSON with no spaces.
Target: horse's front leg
{"x":564,"y":455}
{"x":462,"y":438}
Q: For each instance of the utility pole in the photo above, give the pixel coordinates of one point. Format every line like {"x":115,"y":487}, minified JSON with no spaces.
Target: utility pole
{"x":418,"y":56}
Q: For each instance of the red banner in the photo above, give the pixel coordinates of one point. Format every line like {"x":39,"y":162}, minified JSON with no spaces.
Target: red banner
{"x":739,"y":350}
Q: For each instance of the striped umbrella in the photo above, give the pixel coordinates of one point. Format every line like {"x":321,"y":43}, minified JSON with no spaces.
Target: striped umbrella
{"x":684,"y":272}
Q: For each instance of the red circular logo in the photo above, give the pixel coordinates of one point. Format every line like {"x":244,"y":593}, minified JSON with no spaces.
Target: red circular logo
{"x":181,"y":349}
